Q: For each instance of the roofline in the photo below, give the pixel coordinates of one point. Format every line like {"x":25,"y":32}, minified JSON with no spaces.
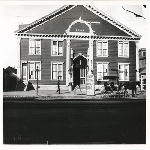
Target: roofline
{"x":79,"y":54}
{"x":65,"y":36}
{"x":89,"y":7}
{"x":43,"y":19}
{"x":112,"y":21}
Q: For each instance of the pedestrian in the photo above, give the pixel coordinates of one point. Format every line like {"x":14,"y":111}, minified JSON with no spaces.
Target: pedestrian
{"x":120,"y":86}
{"x":58,"y":85}
{"x":125,"y":90}
{"x":133,"y":87}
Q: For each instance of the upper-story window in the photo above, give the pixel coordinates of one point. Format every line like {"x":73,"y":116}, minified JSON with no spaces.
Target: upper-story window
{"x":143,"y":53}
{"x":123,"y":49}
{"x":102,"y":49}
{"x":34,"y":47}
{"x":57,"y":48}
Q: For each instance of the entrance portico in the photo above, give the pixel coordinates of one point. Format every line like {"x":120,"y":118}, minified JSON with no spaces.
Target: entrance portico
{"x":75,"y":73}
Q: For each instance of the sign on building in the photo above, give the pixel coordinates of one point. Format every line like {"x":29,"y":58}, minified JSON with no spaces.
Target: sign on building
{"x":90,"y":86}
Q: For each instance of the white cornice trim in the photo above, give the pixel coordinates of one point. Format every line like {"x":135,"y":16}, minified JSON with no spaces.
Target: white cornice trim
{"x":84,"y":37}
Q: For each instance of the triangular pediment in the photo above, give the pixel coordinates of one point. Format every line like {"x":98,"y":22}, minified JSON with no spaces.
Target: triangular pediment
{"x":59,"y":21}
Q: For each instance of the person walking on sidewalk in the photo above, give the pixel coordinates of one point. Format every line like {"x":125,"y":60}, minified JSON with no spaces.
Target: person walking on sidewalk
{"x":58,"y":85}
{"x":133,"y":87}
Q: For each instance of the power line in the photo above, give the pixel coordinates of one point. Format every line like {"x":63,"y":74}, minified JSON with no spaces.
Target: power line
{"x":137,"y":15}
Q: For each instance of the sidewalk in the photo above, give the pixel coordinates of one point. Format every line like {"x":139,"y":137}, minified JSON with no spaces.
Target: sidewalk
{"x":63,"y":94}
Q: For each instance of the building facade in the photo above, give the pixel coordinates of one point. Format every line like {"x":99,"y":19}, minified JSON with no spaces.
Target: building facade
{"x":73,"y":41}
{"x":142,"y":67}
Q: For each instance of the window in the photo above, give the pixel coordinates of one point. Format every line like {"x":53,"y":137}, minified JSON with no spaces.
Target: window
{"x":57,"y":48}
{"x":123,"y":72}
{"x":82,"y":76}
{"x":57,"y":71}
{"x":123,"y":49}
{"x":143,"y":53}
{"x":32,"y":70}
{"x":102,"y":48}
{"x":142,"y":63}
{"x":34,"y":47}
{"x":102,"y":70}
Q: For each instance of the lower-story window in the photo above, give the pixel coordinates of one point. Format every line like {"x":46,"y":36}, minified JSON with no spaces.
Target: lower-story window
{"x":123,"y":71}
{"x":32,"y":70}
{"x":102,"y":70}
{"x":57,"y":70}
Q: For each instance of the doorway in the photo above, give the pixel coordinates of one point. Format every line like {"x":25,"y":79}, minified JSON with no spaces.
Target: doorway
{"x":79,"y":70}
{"x":24,"y":72}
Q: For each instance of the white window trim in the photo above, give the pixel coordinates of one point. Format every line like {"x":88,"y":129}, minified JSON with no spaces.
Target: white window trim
{"x":57,"y":47}
{"x":107,"y":70}
{"x":123,"y":49}
{"x":102,"y":48}
{"x":54,"y":62}
{"x":35,"y":46}
{"x":128,"y":72}
{"x":35,"y":68}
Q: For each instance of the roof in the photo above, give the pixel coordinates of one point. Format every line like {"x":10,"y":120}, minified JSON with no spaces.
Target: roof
{"x":66,"y":8}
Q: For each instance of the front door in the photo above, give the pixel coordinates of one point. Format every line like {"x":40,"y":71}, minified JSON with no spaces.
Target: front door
{"x":24,"y":72}
{"x":79,"y":70}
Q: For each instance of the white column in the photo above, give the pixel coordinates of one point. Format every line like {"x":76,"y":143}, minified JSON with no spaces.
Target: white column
{"x":90,"y":55}
{"x":88,"y":52}
{"x":137,"y":61}
{"x":67,"y":62}
{"x":19,"y":61}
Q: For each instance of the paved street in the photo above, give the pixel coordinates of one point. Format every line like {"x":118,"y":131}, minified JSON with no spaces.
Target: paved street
{"x":52,"y":118}
{"x":69,"y":121}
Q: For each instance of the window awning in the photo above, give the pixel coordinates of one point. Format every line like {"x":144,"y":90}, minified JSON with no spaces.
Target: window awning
{"x":111,"y":77}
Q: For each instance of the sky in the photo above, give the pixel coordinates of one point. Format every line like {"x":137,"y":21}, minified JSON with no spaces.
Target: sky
{"x":13,"y":15}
